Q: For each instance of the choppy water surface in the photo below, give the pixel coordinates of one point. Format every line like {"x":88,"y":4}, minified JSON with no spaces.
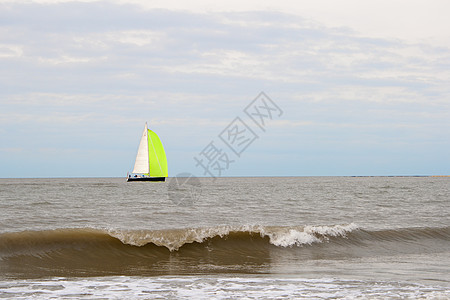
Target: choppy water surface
{"x":267,"y":237}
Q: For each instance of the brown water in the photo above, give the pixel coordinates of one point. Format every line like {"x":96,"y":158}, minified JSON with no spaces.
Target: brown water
{"x":288,"y":237}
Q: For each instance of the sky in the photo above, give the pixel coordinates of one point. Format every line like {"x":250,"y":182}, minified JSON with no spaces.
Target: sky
{"x":360,"y":87}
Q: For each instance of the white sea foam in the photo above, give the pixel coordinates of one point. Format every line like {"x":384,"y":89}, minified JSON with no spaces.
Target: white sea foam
{"x":215,"y":287}
{"x":173,"y":239}
{"x":286,"y":237}
{"x":283,"y":236}
{"x":292,"y":237}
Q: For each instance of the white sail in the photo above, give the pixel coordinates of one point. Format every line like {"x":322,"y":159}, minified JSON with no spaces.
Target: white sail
{"x":142,"y":164}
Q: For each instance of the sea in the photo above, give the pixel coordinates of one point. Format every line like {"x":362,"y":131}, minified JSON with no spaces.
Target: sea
{"x":225,"y":238}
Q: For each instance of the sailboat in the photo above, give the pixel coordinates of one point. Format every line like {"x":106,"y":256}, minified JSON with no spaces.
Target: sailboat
{"x":151,"y":162}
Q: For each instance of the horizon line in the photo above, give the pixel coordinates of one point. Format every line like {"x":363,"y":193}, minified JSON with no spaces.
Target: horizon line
{"x":253,"y":176}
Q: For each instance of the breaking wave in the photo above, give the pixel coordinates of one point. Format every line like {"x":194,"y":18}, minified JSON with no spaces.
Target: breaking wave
{"x":93,"y":252}
{"x":174,"y":239}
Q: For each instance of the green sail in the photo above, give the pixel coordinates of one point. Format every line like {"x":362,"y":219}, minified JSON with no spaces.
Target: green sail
{"x":157,"y":156}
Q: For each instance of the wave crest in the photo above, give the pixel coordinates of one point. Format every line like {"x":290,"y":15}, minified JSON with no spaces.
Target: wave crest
{"x":298,"y":236}
{"x":281,"y":236}
{"x":98,"y":252}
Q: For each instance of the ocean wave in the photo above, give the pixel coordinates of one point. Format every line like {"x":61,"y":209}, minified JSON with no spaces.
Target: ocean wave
{"x":95,"y":252}
{"x":174,"y":239}
{"x":281,"y":236}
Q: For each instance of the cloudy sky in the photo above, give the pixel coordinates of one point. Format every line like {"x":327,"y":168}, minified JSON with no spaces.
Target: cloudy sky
{"x":363,"y":86}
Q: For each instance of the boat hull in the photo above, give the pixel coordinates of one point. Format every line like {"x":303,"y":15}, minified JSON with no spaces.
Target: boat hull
{"x":146,"y":179}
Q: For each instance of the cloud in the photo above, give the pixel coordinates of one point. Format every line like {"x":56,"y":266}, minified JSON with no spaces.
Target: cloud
{"x":152,"y":48}
{"x":78,"y":75}
{"x":418,"y":21}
